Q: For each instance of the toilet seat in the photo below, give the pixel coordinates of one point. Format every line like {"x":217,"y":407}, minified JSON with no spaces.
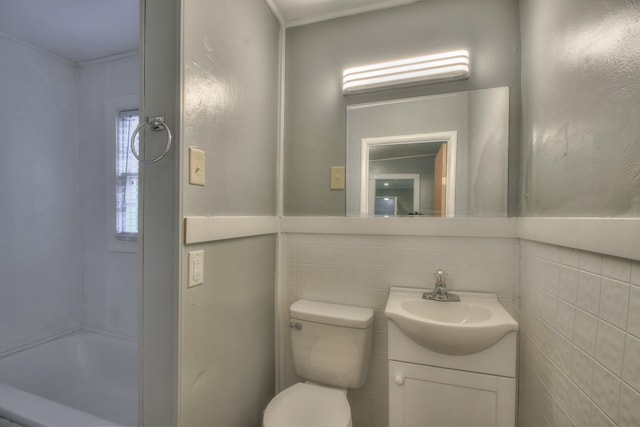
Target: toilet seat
{"x":308,"y":405}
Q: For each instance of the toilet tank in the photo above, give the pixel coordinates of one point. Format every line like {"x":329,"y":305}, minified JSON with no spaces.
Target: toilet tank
{"x":331,"y":342}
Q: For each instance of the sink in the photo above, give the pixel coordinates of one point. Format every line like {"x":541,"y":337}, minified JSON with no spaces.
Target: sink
{"x":471,"y":325}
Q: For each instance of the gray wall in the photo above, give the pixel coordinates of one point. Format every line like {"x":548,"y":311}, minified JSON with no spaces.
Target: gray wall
{"x":230,"y":105}
{"x":579,"y":324}
{"x":581,"y":103}
{"x":316,"y":54}
{"x":40,"y":243}
{"x":230,"y":109}
{"x":109,"y":277}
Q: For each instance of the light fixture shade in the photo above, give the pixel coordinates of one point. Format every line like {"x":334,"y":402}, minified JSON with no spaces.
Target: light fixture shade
{"x":442,"y":66}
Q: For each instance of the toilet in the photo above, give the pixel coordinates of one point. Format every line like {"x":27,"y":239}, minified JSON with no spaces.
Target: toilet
{"x":331,"y":348}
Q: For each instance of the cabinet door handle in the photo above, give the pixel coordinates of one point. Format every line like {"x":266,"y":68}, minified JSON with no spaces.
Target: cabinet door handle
{"x":399,"y":380}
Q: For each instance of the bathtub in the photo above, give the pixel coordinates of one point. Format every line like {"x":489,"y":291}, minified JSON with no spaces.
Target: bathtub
{"x":80,"y":379}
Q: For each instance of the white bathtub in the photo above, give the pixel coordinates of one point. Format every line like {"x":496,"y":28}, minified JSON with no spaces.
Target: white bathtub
{"x":81,"y":379}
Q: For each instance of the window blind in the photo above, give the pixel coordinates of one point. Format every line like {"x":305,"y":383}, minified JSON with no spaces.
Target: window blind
{"x":126,"y":191}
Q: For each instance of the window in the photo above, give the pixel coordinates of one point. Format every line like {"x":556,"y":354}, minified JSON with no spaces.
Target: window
{"x":126,"y":188}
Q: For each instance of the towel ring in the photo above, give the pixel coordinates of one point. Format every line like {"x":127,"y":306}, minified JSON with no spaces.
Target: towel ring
{"x":157,"y":124}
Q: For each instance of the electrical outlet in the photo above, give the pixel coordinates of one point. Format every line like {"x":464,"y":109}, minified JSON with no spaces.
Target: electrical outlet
{"x":196,"y":166}
{"x":196,"y":268}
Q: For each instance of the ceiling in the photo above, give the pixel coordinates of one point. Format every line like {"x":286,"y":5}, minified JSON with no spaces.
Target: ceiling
{"x":77,"y":30}
{"x":299,"y":12}
{"x":84,"y":30}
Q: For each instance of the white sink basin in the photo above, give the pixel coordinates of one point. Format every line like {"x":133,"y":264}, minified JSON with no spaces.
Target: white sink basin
{"x":471,"y":325}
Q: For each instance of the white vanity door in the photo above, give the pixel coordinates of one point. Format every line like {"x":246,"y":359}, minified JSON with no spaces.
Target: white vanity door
{"x":423,"y":396}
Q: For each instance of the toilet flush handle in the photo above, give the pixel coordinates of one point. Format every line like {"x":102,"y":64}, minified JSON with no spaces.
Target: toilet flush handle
{"x":294,"y":325}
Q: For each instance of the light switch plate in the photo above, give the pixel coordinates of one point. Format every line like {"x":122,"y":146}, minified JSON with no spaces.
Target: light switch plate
{"x":196,"y":268}
{"x":337,"y":178}
{"x":196,"y":166}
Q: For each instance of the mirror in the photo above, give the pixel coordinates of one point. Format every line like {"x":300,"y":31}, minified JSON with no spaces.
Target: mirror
{"x":441,"y":155}
{"x":418,"y":170}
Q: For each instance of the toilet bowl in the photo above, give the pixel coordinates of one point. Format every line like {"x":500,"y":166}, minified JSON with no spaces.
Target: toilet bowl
{"x":309,"y":405}
{"x":331,"y":346}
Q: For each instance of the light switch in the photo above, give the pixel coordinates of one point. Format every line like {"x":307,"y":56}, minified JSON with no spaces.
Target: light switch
{"x":337,"y":177}
{"x":196,"y":268}
{"x":196,"y":166}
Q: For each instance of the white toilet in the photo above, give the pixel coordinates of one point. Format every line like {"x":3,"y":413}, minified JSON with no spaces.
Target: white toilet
{"x":331,"y":347}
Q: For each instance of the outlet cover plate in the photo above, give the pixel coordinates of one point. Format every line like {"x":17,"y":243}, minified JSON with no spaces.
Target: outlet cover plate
{"x":196,"y":166}
{"x":337,"y":177}
{"x":196,"y":268}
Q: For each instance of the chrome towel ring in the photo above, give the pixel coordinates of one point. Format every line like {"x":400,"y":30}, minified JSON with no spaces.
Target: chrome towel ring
{"x":157,"y":124}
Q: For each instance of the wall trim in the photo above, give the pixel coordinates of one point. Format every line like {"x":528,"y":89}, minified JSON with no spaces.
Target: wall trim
{"x":200,"y":229}
{"x":610,"y":236}
{"x":464,"y":227}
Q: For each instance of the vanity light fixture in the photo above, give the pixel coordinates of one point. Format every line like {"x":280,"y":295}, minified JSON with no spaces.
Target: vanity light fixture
{"x":431,"y":68}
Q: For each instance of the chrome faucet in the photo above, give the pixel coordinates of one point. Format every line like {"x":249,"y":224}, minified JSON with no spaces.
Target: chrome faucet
{"x":440,"y":293}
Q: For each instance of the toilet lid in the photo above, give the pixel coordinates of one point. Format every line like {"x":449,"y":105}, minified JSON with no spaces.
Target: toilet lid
{"x":308,"y":405}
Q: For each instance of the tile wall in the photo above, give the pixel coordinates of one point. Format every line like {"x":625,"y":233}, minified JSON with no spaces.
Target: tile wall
{"x":358,"y":270}
{"x":579,"y":338}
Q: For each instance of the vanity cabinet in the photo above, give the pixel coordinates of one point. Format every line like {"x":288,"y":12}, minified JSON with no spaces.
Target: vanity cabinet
{"x":433,"y":389}
{"x":423,"y":396}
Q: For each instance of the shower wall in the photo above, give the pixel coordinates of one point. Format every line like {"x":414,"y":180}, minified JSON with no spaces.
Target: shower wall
{"x":40,"y":247}
{"x":56,"y":270}
{"x":109,"y":272}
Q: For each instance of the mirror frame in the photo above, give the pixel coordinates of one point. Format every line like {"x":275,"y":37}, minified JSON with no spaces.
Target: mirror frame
{"x":448,"y":137}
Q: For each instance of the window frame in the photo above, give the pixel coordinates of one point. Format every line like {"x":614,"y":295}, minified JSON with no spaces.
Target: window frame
{"x":115,"y":105}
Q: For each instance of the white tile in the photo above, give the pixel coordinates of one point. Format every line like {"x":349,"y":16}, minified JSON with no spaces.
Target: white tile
{"x":560,"y":386}
{"x":614,"y":302}
{"x":324,"y":275}
{"x":580,"y":407}
{"x":563,"y":354}
{"x":306,"y":273}
{"x":635,"y":273}
{"x":343,"y":275}
{"x":616,"y":268}
{"x":588,"y":295}
{"x":633,"y":322}
{"x":290,"y":251}
{"x":582,"y":370}
{"x":629,"y":415}
{"x":599,"y":418}
{"x":568,"y":284}
{"x":373,"y":257}
{"x":564,"y":318}
{"x":305,"y":254}
{"x":570,"y":257}
{"x":591,"y":262}
{"x":559,"y":417}
{"x":324,"y":255}
{"x":290,"y":273}
{"x":631,"y":367}
{"x":549,"y":304}
{"x":585,"y":331}
{"x":343,"y":255}
{"x":606,"y":391}
{"x":542,"y":273}
{"x":547,"y":251}
{"x":610,"y":347}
